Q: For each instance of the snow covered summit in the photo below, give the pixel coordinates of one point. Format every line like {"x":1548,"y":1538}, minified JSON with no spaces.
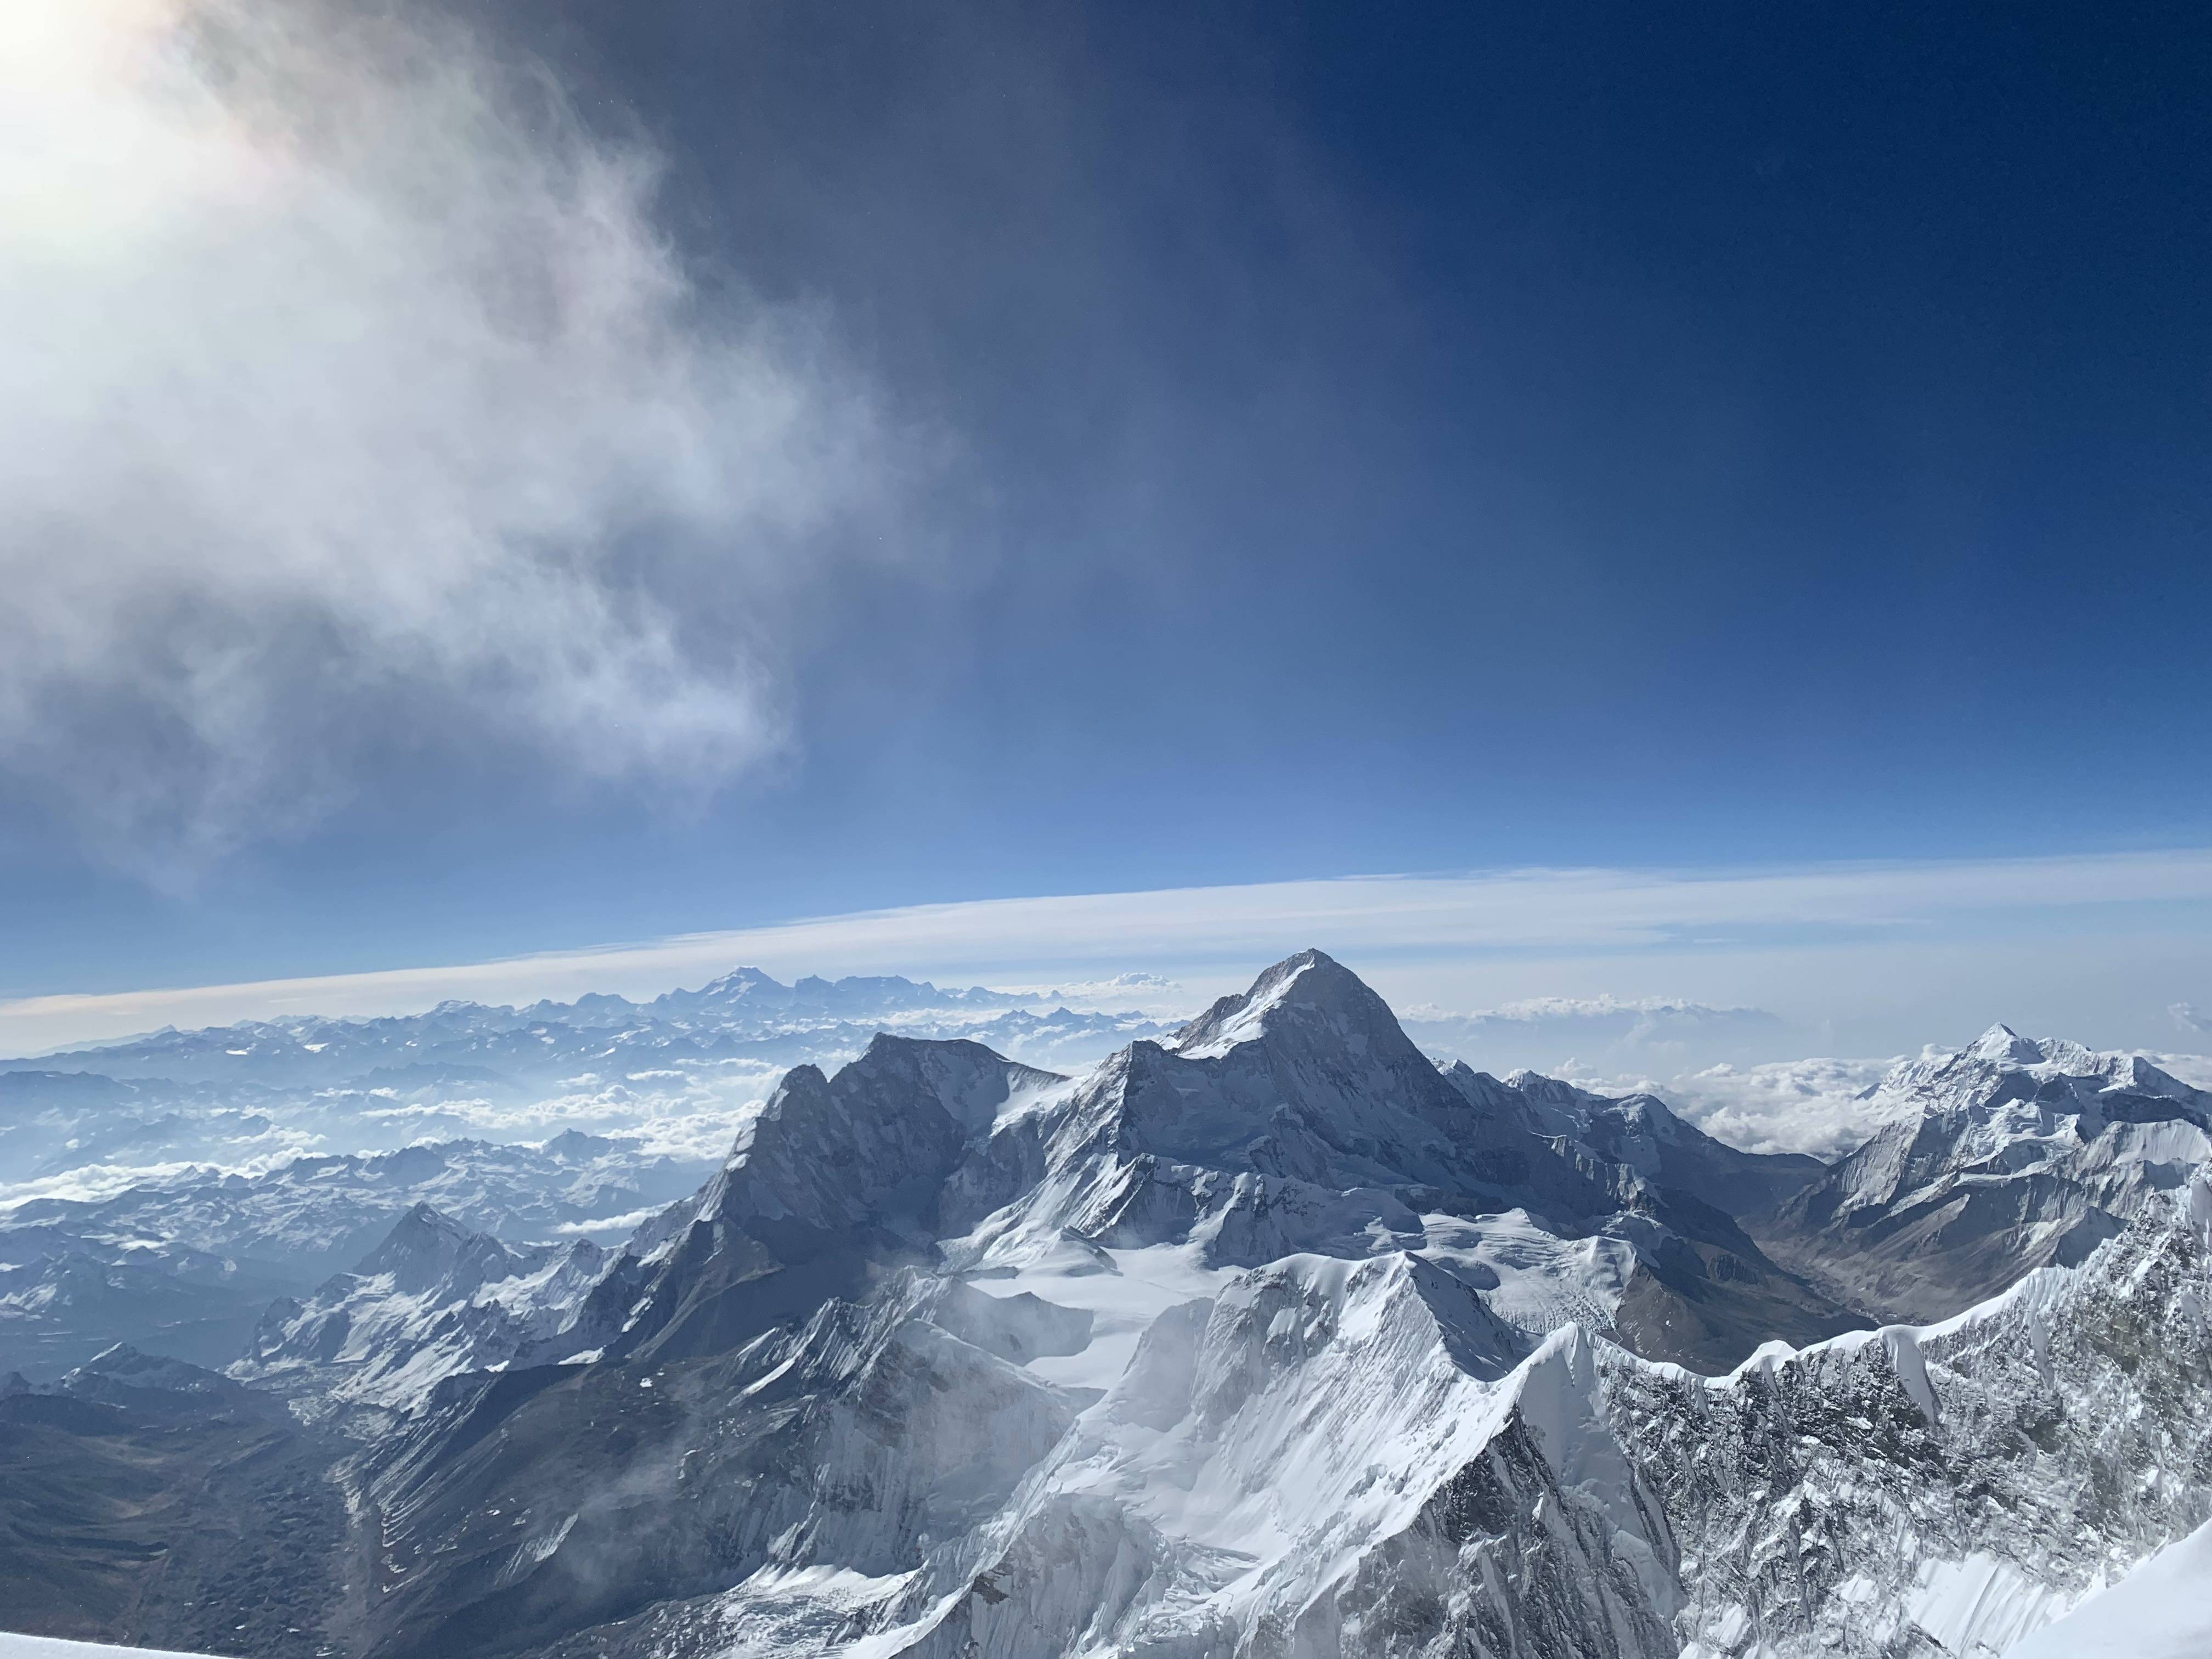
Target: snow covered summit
{"x":2010,"y":1154}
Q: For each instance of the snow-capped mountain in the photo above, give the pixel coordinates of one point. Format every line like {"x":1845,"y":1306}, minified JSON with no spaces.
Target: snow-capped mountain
{"x":1296,"y":1117}
{"x":435,"y":1298}
{"x":524,"y":1507}
{"x":833,"y":1177}
{"x":1299,"y":1117}
{"x":189,"y":1262}
{"x":1354,"y":1460}
{"x":1272,"y":1337}
{"x":1326,"y":1456}
{"x":744,"y":1015}
{"x":2007,"y":1155}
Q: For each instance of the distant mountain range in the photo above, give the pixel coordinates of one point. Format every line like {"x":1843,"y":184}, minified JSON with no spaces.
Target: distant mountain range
{"x":1268,"y":1334}
{"x":188,"y":1261}
{"x":745,"y":1014}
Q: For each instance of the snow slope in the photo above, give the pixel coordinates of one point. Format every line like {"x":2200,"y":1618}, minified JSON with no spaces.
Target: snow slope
{"x":13,"y":1646}
{"x":2162,"y":1610}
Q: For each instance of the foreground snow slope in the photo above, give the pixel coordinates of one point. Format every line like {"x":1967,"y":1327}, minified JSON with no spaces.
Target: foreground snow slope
{"x":13,"y":1646}
{"x":2162,"y":1610}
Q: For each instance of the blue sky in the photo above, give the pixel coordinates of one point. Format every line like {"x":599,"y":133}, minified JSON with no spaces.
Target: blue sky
{"x":1083,"y":449}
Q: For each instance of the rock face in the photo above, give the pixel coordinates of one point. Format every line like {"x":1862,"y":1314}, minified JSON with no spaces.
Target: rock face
{"x":2021,"y":1154}
{"x":833,"y":1176}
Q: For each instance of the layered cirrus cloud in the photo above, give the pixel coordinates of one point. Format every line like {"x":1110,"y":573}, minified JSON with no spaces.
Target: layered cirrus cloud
{"x":1849,"y":958}
{"x":350,"y":390}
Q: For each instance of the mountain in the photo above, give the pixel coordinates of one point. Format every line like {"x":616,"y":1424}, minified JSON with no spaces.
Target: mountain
{"x":1299,"y":1117}
{"x":856,"y":997}
{"x":744,"y":1015}
{"x":155,"y":1386}
{"x":523,"y":1508}
{"x":1642,"y":1132}
{"x":433,"y":1299}
{"x":766,"y":1368}
{"x":188,"y":1262}
{"x":1326,"y":1456}
{"x":2009,"y":1155}
{"x":1343,"y":1461}
{"x":319,"y":1212}
{"x":1269,"y":1337}
{"x":1318,"y":1123}
{"x":66,"y":1298}
{"x":833,"y":1178}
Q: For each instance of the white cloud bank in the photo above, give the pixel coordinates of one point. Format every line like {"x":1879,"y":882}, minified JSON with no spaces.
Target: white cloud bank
{"x":1863,"y":959}
{"x":349,"y":390}
{"x":1824,"y":1106}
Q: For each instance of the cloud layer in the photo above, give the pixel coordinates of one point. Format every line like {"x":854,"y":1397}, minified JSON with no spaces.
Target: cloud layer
{"x":350,"y":401}
{"x":1876,"y":957}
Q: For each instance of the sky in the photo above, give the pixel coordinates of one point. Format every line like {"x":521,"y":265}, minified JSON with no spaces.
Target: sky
{"x":494,"y":482}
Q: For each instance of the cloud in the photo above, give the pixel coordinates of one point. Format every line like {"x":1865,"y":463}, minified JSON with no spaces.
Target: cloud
{"x":1637,"y":1018}
{"x":1932,"y":948}
{"x":2186,"y":1017}
{"x":351,"y":397}
{"x":1824,"y":1106}
{"x":1601,"y":1030}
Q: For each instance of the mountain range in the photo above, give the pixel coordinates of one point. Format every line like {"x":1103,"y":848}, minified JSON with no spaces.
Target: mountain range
{"x":1268,"y":1334}
{"x":743,"y":1014}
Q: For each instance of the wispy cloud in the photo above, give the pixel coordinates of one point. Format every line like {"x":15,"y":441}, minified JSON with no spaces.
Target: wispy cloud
{"x":350,"y":396}
{"x":1606,"y":1032}
{"x":1897,"y":929}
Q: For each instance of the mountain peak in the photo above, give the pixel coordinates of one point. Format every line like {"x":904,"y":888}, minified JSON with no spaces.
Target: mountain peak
{"x":427,"y":1245}
{"x":2003,"y":1046}
{"x":1310,"y":988}
{"x":740,"y":982}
